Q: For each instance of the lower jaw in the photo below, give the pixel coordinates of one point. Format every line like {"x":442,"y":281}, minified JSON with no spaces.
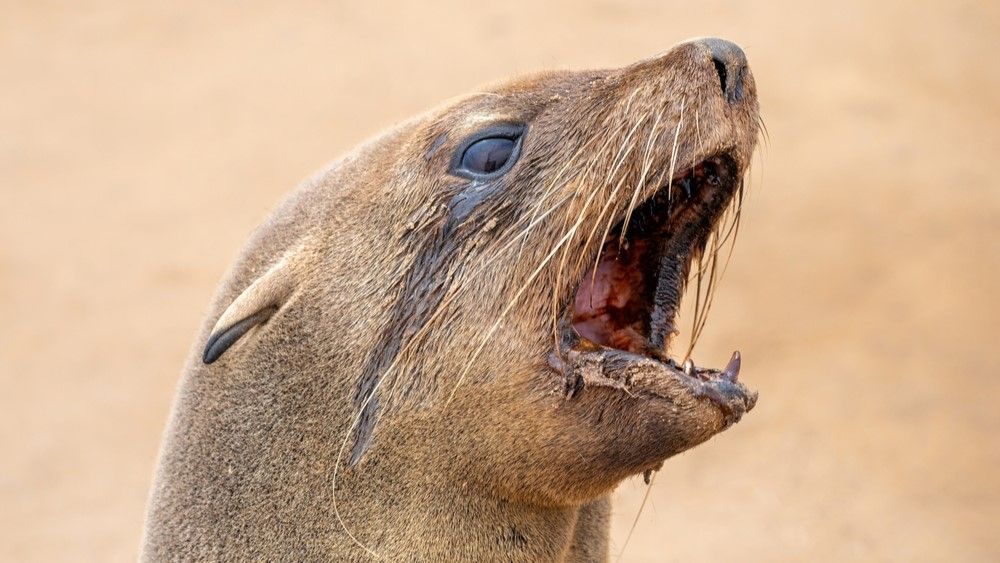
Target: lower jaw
{"x":642,"y":377}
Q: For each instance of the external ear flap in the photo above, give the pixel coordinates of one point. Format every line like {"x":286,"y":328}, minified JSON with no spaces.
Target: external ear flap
{"x":220,"y":341}
{"x":253,"y":307}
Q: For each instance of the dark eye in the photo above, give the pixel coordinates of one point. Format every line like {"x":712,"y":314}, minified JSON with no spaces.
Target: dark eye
{"x":487,"y":155}
{"x":490,"y":153}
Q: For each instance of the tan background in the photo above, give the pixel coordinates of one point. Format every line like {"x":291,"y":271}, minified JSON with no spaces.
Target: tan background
{"x":141,"y":141}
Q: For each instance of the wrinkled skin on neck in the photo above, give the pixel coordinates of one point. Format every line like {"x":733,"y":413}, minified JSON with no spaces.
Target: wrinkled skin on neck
{"x":412,"y":397}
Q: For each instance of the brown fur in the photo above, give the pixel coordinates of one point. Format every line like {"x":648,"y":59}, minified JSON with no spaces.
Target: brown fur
{"x":439,"y":329}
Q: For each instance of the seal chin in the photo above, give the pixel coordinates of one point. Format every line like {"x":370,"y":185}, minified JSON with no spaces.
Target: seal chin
{"x":618,"y":327}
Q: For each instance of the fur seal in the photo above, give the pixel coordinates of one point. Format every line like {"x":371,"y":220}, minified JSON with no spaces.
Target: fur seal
{"x":451,"y":345}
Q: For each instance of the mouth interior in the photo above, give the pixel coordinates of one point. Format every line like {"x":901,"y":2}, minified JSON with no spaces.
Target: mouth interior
{"x":629,"y":301}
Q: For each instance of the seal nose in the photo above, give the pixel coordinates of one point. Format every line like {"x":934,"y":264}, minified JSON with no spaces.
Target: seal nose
{"x":730,"y":63}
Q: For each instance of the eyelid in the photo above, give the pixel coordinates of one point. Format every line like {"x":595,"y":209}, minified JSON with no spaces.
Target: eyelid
{"x":513,"y":131}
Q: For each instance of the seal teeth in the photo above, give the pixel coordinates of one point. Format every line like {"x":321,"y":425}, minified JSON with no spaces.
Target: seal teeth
{"x":689,"y":366}
{"x":732,"y":371}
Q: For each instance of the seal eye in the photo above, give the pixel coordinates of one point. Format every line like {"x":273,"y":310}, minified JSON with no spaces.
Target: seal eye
{"x":489,"y":153}
{"x":486,"y":156}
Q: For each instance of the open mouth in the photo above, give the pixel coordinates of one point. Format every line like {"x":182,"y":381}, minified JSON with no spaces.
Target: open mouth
{"x":622,"y":316}
{"x":629,"y":301}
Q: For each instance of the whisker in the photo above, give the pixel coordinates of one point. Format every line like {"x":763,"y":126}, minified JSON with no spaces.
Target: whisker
{"x":552,"y":187}
{"x":697,"y":305}
{"x":673,"y":152}
{"x":506,"y":310}
{"x":638,"y":514}
{"x":763,"y":130}
{"x":647,"y":163}
{"x":623,"y":151}
{"x":487,"y":260}
{"x":607,"y":205}
{"x":709,"y":294}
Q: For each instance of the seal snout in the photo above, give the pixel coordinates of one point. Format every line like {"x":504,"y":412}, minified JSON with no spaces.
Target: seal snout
{"x":730,"y":63}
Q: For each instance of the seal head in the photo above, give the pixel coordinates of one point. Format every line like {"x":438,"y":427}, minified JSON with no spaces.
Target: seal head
{"x":453,"y":342}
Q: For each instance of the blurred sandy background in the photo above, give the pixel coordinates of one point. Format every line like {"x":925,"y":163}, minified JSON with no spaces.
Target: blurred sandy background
{"x":141,"y":141}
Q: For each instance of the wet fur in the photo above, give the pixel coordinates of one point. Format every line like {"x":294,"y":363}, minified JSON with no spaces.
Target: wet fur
{"x":408,"y":349}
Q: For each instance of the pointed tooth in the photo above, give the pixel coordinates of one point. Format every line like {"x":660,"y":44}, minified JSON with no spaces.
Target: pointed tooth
{"x":689,"y":366}
{"x":732,"y":371}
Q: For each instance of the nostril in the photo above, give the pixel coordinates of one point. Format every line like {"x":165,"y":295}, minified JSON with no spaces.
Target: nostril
{"x":730,"y":64}
{"x":720,"y":68}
